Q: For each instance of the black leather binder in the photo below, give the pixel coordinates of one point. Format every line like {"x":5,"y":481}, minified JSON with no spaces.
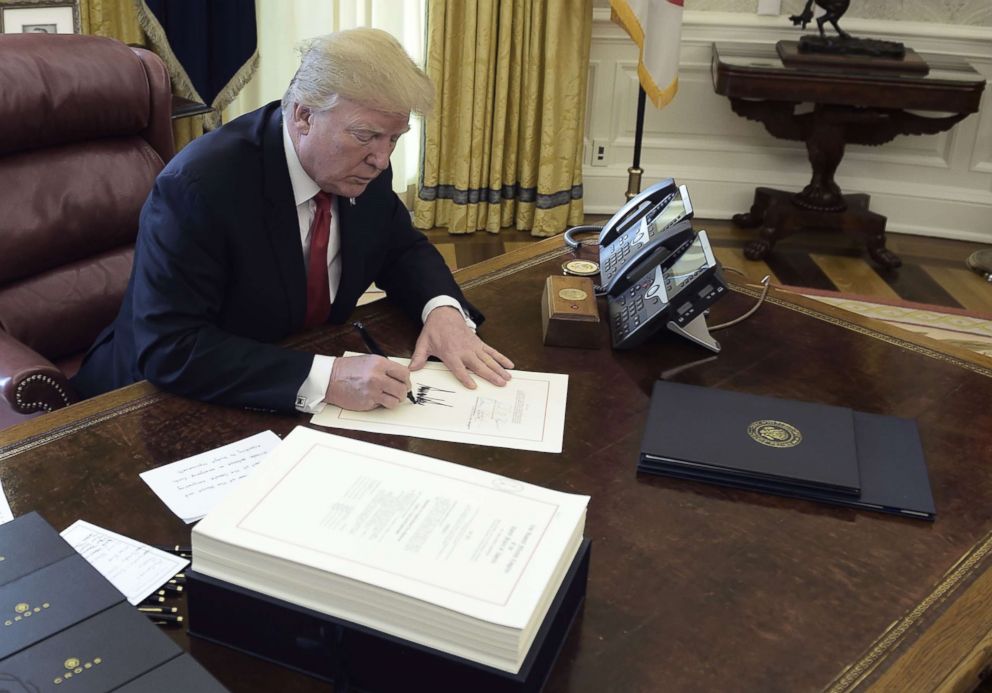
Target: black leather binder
{"x":737,"y":438}
{"x":894,"y":475}
{"x":889,"y":457}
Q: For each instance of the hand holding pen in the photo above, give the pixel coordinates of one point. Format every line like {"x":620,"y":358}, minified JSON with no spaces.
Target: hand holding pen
{"x":361,"y":383}
{"x":373,"y":347}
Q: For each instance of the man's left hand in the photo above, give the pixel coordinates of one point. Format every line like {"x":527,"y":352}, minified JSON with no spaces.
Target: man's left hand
{"x":448,"y":337}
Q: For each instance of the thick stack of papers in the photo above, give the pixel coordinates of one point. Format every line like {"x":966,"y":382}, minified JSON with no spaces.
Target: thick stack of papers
{"x":443,"y":555}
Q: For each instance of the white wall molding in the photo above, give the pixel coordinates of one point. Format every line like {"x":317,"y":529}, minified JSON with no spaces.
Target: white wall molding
{"x":936,"y":185}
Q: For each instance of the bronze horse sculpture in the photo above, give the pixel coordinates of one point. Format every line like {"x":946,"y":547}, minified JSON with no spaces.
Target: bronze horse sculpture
{"x":833,"y":10}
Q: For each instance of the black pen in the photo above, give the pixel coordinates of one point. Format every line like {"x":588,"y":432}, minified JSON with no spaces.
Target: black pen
{"x":374,"y":348}
{"x":177,"y":549}
{"x":165,"y":619}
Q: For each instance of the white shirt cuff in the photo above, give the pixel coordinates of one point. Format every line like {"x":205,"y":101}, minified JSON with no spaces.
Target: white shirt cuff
{"x":439,"y":301}
{"x":310,"y":396}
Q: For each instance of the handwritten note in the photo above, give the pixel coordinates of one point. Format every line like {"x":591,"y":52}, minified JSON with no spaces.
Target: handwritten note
{"x":193,"y":486}
{"x":134,"y":568}
{"x":5,"y":514}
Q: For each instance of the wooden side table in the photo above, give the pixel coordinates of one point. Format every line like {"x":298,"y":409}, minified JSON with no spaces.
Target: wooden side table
{"x":859,"y":106}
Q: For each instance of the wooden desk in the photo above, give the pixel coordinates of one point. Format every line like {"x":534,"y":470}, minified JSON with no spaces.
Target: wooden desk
{"x":692,"y":587}
{"x":855,"y":105}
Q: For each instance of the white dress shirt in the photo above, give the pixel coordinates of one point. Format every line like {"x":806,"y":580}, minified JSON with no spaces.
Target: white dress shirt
{"x":310,"y":396}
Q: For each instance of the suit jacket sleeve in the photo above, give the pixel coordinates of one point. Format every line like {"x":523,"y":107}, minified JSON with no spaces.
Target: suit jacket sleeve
{"x":407,"y":266}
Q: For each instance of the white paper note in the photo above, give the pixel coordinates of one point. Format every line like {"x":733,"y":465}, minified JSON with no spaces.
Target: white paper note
{"x":134,"y":568}
{"x":5,"y":514}
{"x":193,"y":486}
{"x":526,"y":414}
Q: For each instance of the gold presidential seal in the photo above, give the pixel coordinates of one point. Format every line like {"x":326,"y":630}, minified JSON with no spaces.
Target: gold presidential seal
{"x":580,"y":268}
{"x":775,"y":434}
{"x":573,"y":294}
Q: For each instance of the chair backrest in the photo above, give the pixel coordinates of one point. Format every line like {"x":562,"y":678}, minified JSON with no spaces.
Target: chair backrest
{"x":85,"y":126}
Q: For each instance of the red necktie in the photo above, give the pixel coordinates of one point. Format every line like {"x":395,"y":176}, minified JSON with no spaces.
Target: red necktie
{"x":318,"y":291}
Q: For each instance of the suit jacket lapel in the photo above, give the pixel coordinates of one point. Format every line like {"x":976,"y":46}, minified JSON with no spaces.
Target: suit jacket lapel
{"x":281,"y":222}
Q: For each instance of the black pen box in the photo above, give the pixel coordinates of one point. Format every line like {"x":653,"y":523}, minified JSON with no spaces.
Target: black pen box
{"x":180,"y":674}
{"x":28,"y":543}
{"x":99,"y":654}
{"x":362,"y":659}
{"x":51,"y":599}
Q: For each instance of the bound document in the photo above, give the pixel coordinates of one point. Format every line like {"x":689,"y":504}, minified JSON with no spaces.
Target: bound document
{"x":739,"y":438}
{"x":438,"y":554}
{"x":786,"y":447}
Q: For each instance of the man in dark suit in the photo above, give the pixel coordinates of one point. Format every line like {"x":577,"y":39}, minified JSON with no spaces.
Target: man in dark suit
{"x":281,"y":220}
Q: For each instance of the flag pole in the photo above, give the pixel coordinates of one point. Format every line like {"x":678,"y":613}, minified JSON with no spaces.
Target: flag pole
{"x":635,"y":171}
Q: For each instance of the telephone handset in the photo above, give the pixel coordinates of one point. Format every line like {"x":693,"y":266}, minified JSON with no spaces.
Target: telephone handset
{"x":653,"y":233}
{"x":635,"y":208}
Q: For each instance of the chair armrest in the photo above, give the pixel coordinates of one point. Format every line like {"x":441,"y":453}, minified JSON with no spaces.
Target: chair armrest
{"x":30,"y":382}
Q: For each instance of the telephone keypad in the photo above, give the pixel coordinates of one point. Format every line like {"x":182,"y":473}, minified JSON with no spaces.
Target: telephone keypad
{"x":633,"y":308}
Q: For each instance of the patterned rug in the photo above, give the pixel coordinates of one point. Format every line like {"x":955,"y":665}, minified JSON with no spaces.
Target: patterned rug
{"x":963,"y":328}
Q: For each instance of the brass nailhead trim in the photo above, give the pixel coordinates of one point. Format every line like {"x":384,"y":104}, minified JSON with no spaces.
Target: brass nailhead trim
{"x":46,"y":380}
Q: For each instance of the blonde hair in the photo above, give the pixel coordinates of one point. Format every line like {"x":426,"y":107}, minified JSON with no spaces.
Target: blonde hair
{"x":364,"y":65}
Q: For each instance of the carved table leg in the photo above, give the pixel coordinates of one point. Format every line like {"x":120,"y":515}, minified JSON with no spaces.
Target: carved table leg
{"x":825,"y":148}
{"x":754,"y":216}
{"x":772,"y":212}
{"x":821,"y":205}
{"x":868,"y":227}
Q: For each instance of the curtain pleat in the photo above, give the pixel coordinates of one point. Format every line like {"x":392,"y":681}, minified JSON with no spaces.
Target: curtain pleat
{"x":119,"y":19}
{"x":113,"y":18}
{"x":504,"y":145}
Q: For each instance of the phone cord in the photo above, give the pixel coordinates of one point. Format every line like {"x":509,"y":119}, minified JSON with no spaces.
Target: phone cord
{"x":765,"y":283}
{"x":574,"y":243}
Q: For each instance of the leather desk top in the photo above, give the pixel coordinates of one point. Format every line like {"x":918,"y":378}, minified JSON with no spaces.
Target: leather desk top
{"x":691,"y":587}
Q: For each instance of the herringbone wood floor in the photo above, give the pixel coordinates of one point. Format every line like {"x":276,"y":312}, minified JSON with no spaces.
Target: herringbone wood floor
{"x":933,"y":269}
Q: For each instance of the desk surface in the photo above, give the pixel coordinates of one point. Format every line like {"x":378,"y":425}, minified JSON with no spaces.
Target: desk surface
{"x":691,"y":587}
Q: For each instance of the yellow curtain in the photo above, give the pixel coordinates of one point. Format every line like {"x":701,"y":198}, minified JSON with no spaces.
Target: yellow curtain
{"x":119,"y":19}
{"x":504,"y":144}
{"x":114,"y":18}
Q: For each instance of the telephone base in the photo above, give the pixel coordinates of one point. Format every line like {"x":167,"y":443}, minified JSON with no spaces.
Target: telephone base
{"x":696,"y":331}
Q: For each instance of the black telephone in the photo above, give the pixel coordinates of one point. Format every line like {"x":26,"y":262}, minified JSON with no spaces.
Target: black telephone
{"x":655,"y":270}
{"x":651,"y":229}
{"x":673,"y":294}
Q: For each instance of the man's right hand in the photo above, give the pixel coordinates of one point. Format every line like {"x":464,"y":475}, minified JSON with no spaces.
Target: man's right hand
{"x":360,"y":383}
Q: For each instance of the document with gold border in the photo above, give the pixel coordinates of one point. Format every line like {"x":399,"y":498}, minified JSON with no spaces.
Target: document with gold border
{"x":438,"y":553}
{"x":528,"y":413}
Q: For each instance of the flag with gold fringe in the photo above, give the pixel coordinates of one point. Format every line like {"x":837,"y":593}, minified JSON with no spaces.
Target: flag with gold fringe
{"x":209,"y":48}
{"x":656,"y":28}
